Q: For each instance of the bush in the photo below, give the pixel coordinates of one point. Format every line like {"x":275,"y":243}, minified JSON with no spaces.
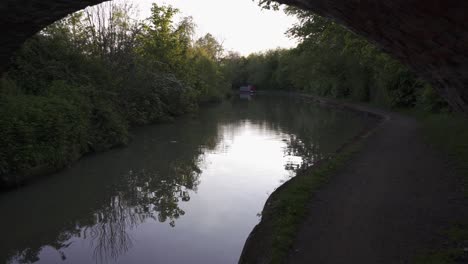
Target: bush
{"x":40,"y":131}
{"x":430,"y":101}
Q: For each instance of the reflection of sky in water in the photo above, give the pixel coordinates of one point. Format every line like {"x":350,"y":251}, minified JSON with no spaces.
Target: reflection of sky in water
{"x":247,"y":165}
{"x":188,"y":192}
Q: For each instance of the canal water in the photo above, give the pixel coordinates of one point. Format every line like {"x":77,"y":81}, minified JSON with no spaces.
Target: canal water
{"x":185,"y":192}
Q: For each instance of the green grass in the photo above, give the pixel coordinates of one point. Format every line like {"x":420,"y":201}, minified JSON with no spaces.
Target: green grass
{"x":286,"y":209}
{"x":289,"y":206}
{"x":448,"y":133}
{"x":454,"y":253}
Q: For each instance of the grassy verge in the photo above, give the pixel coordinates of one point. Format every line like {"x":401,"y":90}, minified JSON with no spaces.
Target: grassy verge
{"x":449,"y":134}
{"x":286,"y":209}
{"x":454,"y":253}
{"x":293,"y":202}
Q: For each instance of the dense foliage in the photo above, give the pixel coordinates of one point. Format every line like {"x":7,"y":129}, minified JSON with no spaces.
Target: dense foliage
{"x":81,"y":83}
{"x":332,"y":61}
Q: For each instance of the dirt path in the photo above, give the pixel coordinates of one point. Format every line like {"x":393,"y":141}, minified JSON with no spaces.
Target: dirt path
{"x":386,"y":205}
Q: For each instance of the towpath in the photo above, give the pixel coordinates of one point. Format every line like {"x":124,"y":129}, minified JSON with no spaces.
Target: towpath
{"x":391,"y":201}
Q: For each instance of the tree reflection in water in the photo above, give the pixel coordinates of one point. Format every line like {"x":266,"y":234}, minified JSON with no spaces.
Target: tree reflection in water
{"x":108,"y":236}
{"x":147,"y":194}
{"x":147,"y":198}
{"x":150,"y":181}
{"x":159,"y":199}
{"x":308,"y":151}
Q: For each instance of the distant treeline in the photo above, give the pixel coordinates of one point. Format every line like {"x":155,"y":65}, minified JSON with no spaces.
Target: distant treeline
{"x":81,"y":83}
{"x":332,"y":61}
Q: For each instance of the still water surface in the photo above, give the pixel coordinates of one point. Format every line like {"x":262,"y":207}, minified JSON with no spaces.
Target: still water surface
{"x":186,"y":192}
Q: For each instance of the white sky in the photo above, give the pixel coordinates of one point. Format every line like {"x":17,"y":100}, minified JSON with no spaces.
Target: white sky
{"x":241,"y":25}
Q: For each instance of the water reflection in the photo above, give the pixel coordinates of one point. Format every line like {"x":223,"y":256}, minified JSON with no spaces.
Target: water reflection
{"x":145,"y":197}
{"x":245,"y":96}
{"x":108,"y":236}
{"x":196,"y":185}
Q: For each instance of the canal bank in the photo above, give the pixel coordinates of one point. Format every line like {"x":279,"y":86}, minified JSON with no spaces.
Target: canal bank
{"x":388,"y":198}
{"x":203,"y":178}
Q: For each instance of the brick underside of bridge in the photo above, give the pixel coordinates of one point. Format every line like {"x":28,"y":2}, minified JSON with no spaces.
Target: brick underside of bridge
{"x":430,"y":36}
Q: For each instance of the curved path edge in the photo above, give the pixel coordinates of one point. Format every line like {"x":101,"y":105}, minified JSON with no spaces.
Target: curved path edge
{"x":390,"y":202}
{"x":256,"y":248}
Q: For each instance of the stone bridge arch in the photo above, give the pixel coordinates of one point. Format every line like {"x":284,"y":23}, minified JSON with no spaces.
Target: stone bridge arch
{"x":430,"y":36}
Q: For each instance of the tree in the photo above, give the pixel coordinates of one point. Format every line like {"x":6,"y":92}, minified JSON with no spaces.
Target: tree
{"x":210,"y":46}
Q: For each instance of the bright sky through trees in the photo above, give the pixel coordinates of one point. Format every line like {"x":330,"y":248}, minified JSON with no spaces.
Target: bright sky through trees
{"x":241,"y":25}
